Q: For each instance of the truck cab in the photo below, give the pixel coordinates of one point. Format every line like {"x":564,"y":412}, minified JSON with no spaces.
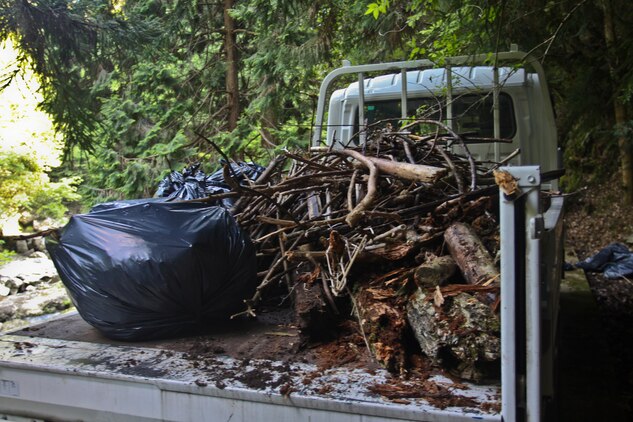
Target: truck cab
{"x":498,"y":109}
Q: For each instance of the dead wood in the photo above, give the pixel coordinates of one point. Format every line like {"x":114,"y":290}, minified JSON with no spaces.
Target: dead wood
{"x":436,"y":271}
{"x":472,"y":258}
{"x":381,"y":314}
{"x":461,"y":333}
{"x":350,"y":229}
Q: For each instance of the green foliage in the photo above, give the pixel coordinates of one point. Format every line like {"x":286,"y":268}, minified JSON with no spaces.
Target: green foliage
{"x":50,"y":200}
{"x":62,"y":42}
{"x":132,"y":87}
{"x":5,"y":255}
{"x":24,"y":186}
{"x":18,"y":175}
{"x":375,"y":9}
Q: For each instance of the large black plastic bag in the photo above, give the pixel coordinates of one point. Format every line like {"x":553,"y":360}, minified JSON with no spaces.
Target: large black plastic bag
{"x":614,"y":261}
{"x":155,"y":270}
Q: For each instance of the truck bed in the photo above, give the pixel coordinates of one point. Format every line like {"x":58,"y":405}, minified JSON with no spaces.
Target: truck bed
{"x":258,"y":369}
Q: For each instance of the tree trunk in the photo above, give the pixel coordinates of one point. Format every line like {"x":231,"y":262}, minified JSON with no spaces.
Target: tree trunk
{"x":232,"y":88}
{"x":619,"y":111}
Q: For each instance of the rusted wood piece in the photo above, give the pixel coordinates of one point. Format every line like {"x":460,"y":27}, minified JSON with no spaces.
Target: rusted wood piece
{"x":472,"y":258}
{"x":276,"y":221}
{"x":382,"y":316}
{"x":316,"y":311}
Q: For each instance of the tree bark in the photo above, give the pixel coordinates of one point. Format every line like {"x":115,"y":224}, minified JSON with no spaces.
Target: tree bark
{"x":469,"y":253}
{"x":619,"y":111}
{"x":232,"y":88}
{"x":463,"y":328}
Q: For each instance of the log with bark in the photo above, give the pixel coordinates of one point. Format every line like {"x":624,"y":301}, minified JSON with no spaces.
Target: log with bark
{"x":471,"y":256}
{"x":461,"y":332}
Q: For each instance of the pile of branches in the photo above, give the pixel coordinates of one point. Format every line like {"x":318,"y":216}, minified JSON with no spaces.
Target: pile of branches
{"x":400,"y":233}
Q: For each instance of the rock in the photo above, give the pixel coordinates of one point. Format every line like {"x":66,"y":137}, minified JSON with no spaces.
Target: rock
{"x":45,"y":224}
{"x":16,"y":284}
{"x":7,"y":310}
{"x":39,"y":254}
{"x":21,"y":246}
{"x":34,"y":290}
{"x":34,"y":303}
{"x":4,"y":290}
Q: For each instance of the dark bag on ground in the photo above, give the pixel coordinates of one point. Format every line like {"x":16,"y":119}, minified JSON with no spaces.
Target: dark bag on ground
{"x":614,"y":261}
{"x":153,"y":270}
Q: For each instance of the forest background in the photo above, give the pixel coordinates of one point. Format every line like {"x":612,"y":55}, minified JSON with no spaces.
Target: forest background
{"x":130,"y":86}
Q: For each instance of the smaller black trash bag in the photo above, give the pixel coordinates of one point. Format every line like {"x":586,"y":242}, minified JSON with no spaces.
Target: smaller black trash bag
{"x":190,"y":184}
{"x":193,"y":183}
{"x":154,"y":270}
{"x":614,"y":261}
{"x":239,"y":170}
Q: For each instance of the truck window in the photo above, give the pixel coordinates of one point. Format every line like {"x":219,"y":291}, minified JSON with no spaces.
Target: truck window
{"x":473,"y":114}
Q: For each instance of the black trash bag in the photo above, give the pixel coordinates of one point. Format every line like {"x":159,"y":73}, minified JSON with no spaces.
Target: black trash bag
{"x":155,"y":270}
{"x":239,"y":170}
{"x":193,"y":183}
{"x":124,"y":203}
{"x":190,"y":184}
{"x":614,"y":261}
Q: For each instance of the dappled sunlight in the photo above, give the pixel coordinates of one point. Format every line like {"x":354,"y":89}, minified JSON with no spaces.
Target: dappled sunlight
{"x":23,"y":128}
{"x":29,"y":148}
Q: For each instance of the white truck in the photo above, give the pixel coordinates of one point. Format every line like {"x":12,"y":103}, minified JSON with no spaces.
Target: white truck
{"x":64,"y":370}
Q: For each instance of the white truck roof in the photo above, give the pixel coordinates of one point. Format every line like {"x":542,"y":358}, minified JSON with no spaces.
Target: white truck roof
{"x":433,"y":81}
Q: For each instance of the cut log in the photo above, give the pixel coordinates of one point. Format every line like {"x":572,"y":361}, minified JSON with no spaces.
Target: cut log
{"x":435,"y":271}
{"x":472,"y":258}
{"x":462,"y":334}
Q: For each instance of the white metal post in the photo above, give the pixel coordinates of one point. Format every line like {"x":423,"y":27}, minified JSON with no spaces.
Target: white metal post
{"x":403,"y":94}
{"x":515,"y":390}
{"x":495,"y":112}
{"x":534,"y":227}
{"x":362,"y":137}
{"x":508,"y":321}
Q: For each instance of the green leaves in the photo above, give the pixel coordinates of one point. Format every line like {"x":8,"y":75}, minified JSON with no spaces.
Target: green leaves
{"x":377,"y":8}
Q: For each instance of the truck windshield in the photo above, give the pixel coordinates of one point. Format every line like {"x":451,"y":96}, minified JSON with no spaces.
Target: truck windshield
{"x":472,"y":114}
